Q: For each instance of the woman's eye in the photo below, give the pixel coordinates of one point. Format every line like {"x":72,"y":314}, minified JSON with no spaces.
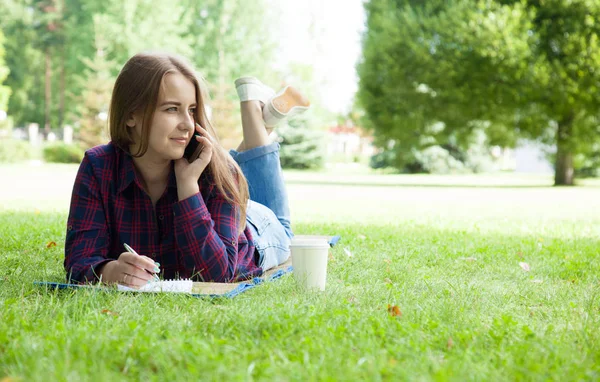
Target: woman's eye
{"x":172,"y":109}
{"x":193,"y":110}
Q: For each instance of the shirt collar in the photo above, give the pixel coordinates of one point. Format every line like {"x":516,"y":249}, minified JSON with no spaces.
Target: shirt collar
{"x":128,"y":173}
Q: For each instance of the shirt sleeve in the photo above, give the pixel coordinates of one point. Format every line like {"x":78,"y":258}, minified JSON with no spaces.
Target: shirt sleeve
{"x":206,"y":235}
{"x":87,"y":240}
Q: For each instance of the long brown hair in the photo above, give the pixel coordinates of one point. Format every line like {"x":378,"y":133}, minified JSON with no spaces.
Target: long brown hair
{"x":136,"y":90}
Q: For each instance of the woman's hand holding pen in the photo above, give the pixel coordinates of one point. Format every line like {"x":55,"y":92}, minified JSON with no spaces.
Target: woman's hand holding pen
{"x":187,"y":174}
{"x":131,"y":270}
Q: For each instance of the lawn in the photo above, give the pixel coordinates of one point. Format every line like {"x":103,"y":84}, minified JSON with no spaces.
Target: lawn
{"x":445,"y":250}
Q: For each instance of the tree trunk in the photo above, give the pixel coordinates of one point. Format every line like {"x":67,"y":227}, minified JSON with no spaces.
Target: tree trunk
{"x":61,"y":109}
{"x":563,"y":175}
{"x":47,"y":93}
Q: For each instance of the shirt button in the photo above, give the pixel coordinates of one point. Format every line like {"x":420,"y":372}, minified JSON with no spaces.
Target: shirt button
{"x":161,"y":217}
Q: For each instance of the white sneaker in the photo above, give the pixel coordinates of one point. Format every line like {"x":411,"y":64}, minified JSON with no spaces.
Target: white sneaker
{"x":251,"y":89}
{"x":287,"y":103}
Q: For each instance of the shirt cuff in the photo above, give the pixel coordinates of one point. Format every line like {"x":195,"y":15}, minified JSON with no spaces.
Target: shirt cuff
{"x":192,"y":207}
{"x":90,"y":272}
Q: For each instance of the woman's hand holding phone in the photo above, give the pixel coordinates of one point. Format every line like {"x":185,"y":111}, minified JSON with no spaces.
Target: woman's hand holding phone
{"x":188,"y":173}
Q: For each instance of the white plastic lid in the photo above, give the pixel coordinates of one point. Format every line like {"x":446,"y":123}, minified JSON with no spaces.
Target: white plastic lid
{"x":309,"y":242}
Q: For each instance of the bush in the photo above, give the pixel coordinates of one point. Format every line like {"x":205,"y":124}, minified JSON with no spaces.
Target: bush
{"x":431,"y":158}
{"x":437,"y":160}
{"x":301,"y":147}
{"x":383,"y":159}
{"x":62,"y":153}
{"x":13,"y":150}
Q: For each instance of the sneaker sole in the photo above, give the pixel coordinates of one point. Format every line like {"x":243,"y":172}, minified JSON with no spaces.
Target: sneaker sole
{"x":289,"y":99}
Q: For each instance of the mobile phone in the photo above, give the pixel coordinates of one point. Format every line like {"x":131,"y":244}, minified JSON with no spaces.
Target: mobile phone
{"x":193,"y":149}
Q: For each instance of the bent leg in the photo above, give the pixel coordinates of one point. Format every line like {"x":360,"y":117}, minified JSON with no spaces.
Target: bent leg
{"x":262,"y":169}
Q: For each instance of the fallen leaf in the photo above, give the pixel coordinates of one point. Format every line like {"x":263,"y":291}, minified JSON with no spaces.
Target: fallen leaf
{"x":537,"y":281}
{"x":51,"y":244}
{"x":450,"y":343}
{"x":348,"y":252}
{"x":394,"y":311}
{"x":387,"y":261}
{"x":469,"y":259}
{"x":520,"y":254}
{"x":362,"y":237}
{"x":525,"y":266}
{"x":109,"y":313}
{"x":387,"y":280}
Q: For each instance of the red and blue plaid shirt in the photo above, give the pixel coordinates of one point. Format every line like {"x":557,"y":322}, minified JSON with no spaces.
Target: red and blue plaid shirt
{"x":193,"y":238}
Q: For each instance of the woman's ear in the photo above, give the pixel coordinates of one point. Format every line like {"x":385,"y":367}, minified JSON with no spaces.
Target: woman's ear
{"x":131,"y":120}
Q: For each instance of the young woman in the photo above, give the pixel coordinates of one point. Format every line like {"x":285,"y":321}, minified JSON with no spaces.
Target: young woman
{"x":184,"y":219}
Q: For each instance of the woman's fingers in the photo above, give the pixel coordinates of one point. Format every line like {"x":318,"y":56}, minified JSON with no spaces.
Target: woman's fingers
{"x":203,"y":132}
{"x":142,"y":262}
{"x":201,"y":129}
{"x":137,"y":272}
{"x":129,"y":281}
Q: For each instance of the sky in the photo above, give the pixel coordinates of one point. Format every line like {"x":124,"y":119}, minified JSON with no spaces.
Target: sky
{"x":332,"y":46}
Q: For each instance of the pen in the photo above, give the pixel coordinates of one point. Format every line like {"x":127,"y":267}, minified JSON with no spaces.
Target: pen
{"x":131,"y":250}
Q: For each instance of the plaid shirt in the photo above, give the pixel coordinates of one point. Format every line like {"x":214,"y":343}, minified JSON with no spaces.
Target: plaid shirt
{"x":193,"y":238}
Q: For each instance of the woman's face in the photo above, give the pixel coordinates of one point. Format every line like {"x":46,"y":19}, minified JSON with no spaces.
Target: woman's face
{"x":172,"y":126}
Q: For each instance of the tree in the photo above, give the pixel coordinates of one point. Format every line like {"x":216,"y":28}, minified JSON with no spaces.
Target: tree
{"x":48,"y":23}
{"x":95,"y":99}
{"x":520,"y":68}
{"x":25,"y":103}
{"x":4,"y":90}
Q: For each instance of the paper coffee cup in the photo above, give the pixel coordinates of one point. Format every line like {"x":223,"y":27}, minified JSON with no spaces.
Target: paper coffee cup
{"x":309,"y":259}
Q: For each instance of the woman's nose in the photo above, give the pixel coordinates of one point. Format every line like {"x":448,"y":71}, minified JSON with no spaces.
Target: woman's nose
{"x":189,"y":122}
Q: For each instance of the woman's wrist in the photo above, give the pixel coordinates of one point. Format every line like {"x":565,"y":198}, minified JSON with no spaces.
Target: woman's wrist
{"x":103,"y":271}
{"x":185,"y":190}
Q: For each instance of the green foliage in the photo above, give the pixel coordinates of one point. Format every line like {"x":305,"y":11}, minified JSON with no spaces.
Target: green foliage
{"x":6,"y":127}
{"x":62,"y":153}
{"x":95,"y":98}
{"x":519,"y":67}
{"x":436,"y":159}
{"x":26,"y":81}
{"x":13,"y":150}
{"x":301,"y":146}
{"x":4,"y":90}
{"x":86,"y":42}
{"x":383,"y":159}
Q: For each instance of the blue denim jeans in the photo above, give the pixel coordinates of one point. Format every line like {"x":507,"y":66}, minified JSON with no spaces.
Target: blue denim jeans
{"x":268,"y":213}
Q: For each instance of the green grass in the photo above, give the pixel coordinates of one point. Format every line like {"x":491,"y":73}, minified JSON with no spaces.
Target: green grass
{"x":447,"y":257}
